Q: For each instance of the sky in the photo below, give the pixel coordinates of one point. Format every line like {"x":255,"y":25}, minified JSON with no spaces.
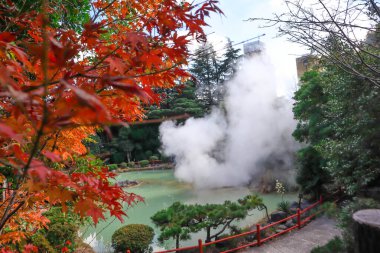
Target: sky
{"x":233,"y":25}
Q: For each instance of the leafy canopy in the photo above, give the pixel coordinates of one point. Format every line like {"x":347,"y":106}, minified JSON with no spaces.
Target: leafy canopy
{"x":59,"y":83}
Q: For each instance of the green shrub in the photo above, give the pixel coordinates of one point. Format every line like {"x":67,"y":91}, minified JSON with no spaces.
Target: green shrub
{"x":43,"y":245}
{"x":330,"y":209}
{"x":153,"y":158}
{"x":346,"y":222}
{"x":284,"y":206}
{"x":131,"y":164}
{"x":112,"y":167}
{"x":124,"y":165}
{"x":135,"y":237}
{"x":144,"y":163}
{"x":118,"y":157}
{"x":148,"y":153}
{"x":59,"y":233}
{"x":333,"y":246}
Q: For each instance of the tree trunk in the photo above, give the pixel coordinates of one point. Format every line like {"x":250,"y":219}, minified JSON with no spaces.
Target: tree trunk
{"x":208,"y":235}
{"x":367,"y":231}
{"x":177,"y":242}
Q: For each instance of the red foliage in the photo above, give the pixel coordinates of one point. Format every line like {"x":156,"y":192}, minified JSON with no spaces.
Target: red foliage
{"x":57,"y":85}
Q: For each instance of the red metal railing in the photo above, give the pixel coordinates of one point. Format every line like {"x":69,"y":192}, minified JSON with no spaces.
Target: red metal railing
{"x":300,"y":222}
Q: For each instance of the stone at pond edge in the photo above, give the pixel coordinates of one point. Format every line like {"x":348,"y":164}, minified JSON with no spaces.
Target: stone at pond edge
{"x":367,"y":230}
{"x":276,"y":216}
{"x":289,"y":224}
{"x":127,"y":183}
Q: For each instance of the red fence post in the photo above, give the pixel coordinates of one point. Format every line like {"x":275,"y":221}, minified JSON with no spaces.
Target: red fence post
{"x":299,"y":218}
{"x":128,"y":251}
{"x":200,"y":246}
{"x":258,"y":236}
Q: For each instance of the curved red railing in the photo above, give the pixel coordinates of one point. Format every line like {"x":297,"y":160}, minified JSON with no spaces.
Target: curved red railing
{"x":300,"y":222}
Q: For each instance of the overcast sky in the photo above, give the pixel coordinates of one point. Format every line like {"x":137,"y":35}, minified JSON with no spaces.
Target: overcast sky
{"x":232,"y":25}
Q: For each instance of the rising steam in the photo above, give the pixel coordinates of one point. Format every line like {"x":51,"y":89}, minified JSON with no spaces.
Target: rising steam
{"x":247,"y":142}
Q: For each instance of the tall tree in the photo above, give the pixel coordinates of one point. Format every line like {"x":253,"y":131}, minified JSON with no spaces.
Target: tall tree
{"x":54,"y":80}
{"x":339,"y":122}
{"x":230,"y":61}
{"x":310,"y":111}
{"x":206,"y":71}
{"x":211,"y":72}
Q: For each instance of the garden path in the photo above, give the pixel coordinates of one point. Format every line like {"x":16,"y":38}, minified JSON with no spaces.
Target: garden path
{"x":316,"y":233}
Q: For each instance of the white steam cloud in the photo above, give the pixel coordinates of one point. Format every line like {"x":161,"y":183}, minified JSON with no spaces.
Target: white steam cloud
{"x":247,"y":142}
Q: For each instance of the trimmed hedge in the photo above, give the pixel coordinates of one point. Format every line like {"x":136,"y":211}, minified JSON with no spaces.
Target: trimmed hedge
{"x":131,"y":164}
{"x":135,"y":237}
{"x":112,"y":167}
{"x":153,"y":158}
{"x":144,"y":163}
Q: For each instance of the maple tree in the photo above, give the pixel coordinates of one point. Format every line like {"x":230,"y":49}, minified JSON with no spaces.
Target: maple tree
{"x":57,"y":85}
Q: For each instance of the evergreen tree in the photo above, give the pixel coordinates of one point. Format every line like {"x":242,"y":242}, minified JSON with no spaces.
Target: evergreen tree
{"x":211,"y":72}
{"x":309,"y":110}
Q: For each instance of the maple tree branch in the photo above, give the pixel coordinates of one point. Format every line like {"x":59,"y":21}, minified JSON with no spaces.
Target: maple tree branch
{"x":9,"y":215}
{"x":101,"y":10}
{"x":5,"y":217}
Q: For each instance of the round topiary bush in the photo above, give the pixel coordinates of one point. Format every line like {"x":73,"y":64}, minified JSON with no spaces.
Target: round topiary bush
{"x":131,"y":164}
{"x":135,"y":237}
{"x":153,"y":158}
{"x":144,"y":163}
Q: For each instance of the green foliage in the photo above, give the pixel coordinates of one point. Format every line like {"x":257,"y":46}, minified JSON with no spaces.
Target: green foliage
{"x":179,"y":220}
{"x":178,"y":103}
{"x":134,"y":237}
{"x":131,"y":164}
{"x":124,"y":165}
{"x":284,"y":206}
{"x":153,"y":158}
{"x":139,"y":142}
{"x":59,"y":233}
{"x":333,"y":246}
{"x":144,"y":163}
{"x":112,"y":167}
{"x":174,"y":222}
{"x":67,"y":14}
{"x":352,"y":152}
{"x":118,"y":157}
{"x":338,"y":119}
{"x":62,"y":229}
{"x":211,"y":72}
{"x":39,"y":240}
{"x":346,"y":222}
{"x":309,"y":111}
{"x":330,"y":209}
{"x":85,"y":163}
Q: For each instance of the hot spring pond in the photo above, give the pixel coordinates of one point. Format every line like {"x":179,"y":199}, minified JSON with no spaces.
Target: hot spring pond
{"x":160,"y":189}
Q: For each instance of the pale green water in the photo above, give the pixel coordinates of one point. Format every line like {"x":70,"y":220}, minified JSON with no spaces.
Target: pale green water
{"x":160,"y":189}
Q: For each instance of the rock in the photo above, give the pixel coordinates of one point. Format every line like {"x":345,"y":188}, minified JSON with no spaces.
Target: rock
{"x":282,"y":227}
{"x":127,"y":183}
{"x":278,"y":215}
{"x":305,"y":204}
{"x":294,"y":205}
{"x":289,"y":223}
